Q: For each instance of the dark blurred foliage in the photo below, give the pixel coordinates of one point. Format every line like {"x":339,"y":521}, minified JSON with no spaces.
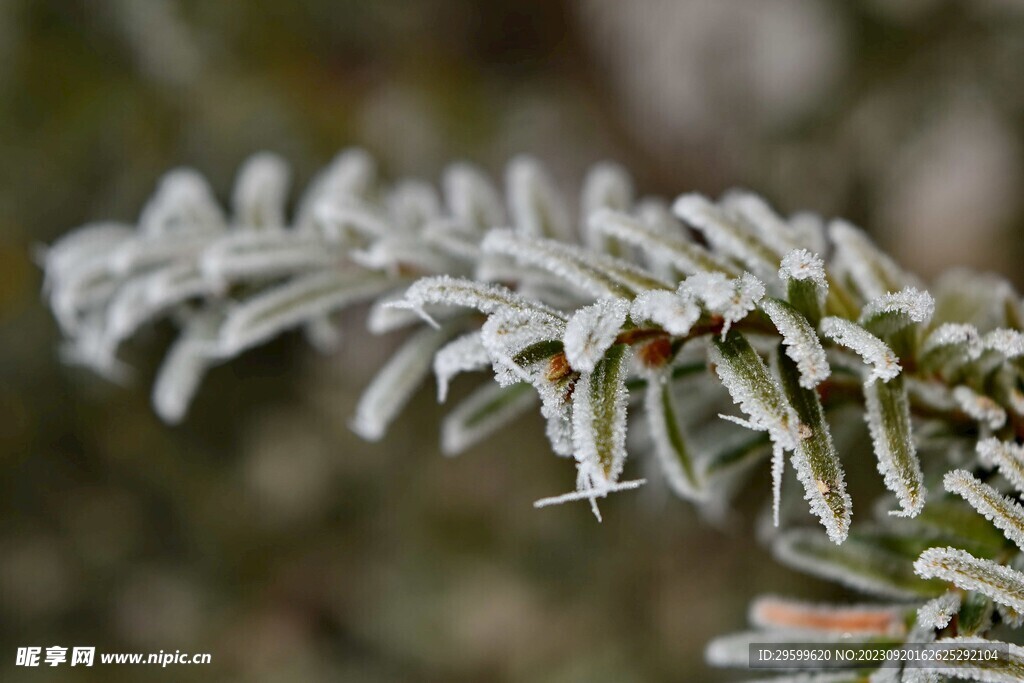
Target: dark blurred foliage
{"x":262,"y":531}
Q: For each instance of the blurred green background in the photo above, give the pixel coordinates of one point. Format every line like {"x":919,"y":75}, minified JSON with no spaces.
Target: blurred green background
{"x":261,"y":530}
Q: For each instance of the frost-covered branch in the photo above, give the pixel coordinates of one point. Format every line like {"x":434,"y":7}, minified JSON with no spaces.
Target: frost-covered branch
{"x":578,"y":312}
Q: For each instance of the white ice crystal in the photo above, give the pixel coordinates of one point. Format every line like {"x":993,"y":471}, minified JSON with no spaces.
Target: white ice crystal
{"x":917,"y":305}
{"x":937,"y":613}
{"x":800,"y":264}
{"x":1005,"y":513}
{"x":591,"y":330}
{"x":801,"y":342}
{"x":888,"y":417}
{"x":593,"y":274}
{"x":759,"y":395}
{"x":509,"y":332}
{"x":558,"y":430}
{"x":875,"y":352}
{"x":591,"y":494}
{"x":999,"y":582}
{"x":955,"y":335}
{"x":675,"y":311}
{"x":980,"y":407}
{"x":599,"y":419}
{"x":726,"y":236}
{"x":1008,"y":342}
{"x":1008,"y":457}
{"x":660,"y":245}
{"x":486,"y":298}
{"x":465,"y":354}
{"x":732,"y":299}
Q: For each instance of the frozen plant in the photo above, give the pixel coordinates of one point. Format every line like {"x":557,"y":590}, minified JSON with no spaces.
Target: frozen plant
{"x":614,"y":307}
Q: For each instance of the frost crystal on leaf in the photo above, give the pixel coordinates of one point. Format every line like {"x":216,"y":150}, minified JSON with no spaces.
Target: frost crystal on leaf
{"x":800,"y":264}
{"x":1010,"y":343}
{"x":759,"y":395}
{"x":888,"y":418}
{"x":593,"y":274}
{"x":661,"y":246}
{"x":1007,"y":456}
{"x":980,"y":407}
{"x":675,"y":311}
{"x":519,"y":342}
{"x":599,"y":419}
{"x":937,"y":613}
{"x":1008,"y":669}
{"x":465,"y":354}
{"x":732,"y":299}
{"x":909,"y":305}
{"x":591,"y":330}
{"x":724,"y":234}
{"x":800,"y":340}
{"x":753,"y":389}
{"x":885,"y":366}
{"x":1003,"y":584}
{"x":815,"y":460}
{"x":955,"y":335}
{"x":483,"y":297}
{"x":591,"y":494}
{"x":1005,"y":513}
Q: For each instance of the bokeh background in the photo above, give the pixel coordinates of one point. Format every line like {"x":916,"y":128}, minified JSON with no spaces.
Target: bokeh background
{"x":261,"y":530}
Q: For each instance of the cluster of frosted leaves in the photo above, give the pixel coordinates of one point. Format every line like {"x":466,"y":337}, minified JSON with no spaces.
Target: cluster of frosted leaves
{"x":693,"y":309}
{"x":953,"y":574}
{"x":949,"y":575}
{"x":579,"y":307}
